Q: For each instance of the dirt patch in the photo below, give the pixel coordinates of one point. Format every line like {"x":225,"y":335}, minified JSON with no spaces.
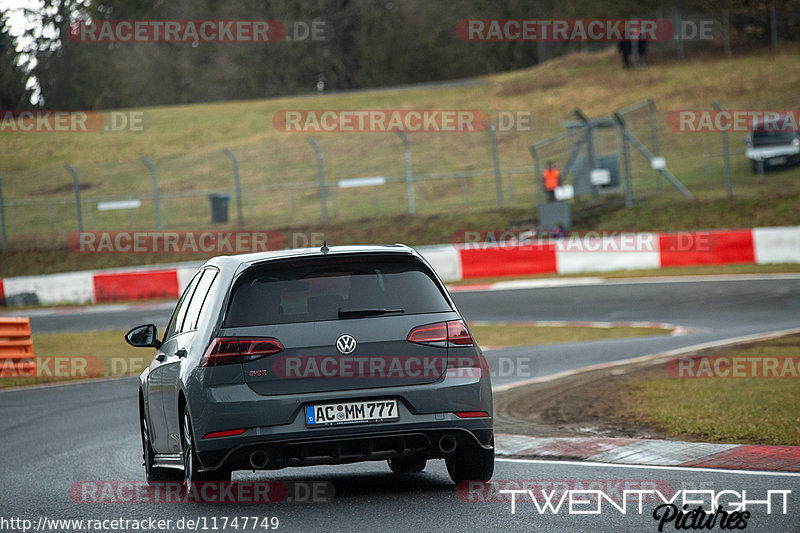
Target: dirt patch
{"x":64,"y":188}
{"x":589,"y":404}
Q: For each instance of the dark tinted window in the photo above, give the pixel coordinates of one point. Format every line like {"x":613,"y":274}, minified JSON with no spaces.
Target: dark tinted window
{"x":770,"y":138}
{"x":333,"y":289}
{"x":180,"y":310}
{"x":198,"y":299}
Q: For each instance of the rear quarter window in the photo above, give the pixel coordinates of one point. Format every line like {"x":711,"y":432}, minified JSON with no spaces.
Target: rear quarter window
{"x":318,"y":288}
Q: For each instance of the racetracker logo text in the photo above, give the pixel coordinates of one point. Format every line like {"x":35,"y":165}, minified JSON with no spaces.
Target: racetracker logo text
{"x":177,"y":31}
{"x":564,"y":30}
{"x":733,"y":120}
{"x":226,"y":492}
{"x":723,"y":366}
{"x":222,"y":242}
{"x":381,"y":121}
{"x":41,"y":121}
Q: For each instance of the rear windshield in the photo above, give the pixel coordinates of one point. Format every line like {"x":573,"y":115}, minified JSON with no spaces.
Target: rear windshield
{"x":332,"y":289}
{"x":771,"y":138}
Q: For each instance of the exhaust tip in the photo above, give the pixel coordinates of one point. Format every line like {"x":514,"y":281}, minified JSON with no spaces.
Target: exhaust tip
{"x":259,"y":459}
{"x":447,"y":444}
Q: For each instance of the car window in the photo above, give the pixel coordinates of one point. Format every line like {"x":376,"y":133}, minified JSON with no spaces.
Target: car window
{"x":771,"y":138}
{"x":180,"y":308}
{"x":198,"y":299}
{"x":312,"y":290}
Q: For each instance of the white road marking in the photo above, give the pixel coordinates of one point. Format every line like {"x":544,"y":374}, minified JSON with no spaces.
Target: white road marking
{"x":653,"y":467}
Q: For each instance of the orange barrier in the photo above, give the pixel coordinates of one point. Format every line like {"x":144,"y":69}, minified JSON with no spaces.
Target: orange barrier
{"x":16,"y":347}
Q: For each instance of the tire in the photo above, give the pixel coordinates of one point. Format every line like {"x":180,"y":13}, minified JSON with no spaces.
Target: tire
{"x":475,"y":464}
{"x":152,"y":473}
{"x":407,"y":465}
{"x":191,"y":464}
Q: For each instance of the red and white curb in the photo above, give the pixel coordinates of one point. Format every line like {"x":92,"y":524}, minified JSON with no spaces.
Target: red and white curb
{"x":457,"y":262}
{"x":651,"y":452}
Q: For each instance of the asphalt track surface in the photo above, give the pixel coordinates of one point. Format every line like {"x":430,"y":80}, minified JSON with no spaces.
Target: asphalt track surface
{"x":53,"y":438}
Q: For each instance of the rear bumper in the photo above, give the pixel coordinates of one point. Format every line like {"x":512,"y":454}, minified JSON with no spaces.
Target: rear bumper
{"x":348,"y":447}
{"x":277,"y":424}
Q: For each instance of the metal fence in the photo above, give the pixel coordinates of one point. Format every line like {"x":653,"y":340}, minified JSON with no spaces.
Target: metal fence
{"x":421,"y":173}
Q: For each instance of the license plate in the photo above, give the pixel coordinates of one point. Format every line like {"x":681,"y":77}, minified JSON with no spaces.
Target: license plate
{"x":334,"y":414}
{"x":778,"y":160}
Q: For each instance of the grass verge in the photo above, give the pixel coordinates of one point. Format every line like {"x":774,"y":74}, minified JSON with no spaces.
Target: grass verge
{"x":739,"y":410}
{"x":522,"y":335}
{"x":70,"y":356}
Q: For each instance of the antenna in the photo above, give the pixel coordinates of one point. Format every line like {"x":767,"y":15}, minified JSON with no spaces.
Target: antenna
{"x":324,"y":248}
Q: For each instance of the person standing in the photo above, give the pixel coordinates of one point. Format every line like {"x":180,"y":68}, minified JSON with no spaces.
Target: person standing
{"x":625,"y":47}
{"x":641,"y":52}
{"x":551,"y":178}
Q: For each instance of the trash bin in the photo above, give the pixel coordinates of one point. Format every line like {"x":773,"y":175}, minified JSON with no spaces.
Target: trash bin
{"x":219,"y":207}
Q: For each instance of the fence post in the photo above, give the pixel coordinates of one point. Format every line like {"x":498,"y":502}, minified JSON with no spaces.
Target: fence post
{"x":230,"y":154}
{"x":773,"y":27}
{"x":77,"y":196}
{"x":409,"y":175}
{"x":498,"y":179}
{"x":726,"y":31}
{"x":654,"y":135}
{"x":3,"y":218}
{"x":725,"y":152}
{"x":537,"y":172}
{"x":589,"y":140}
{"x":321,"y":176}
{"x":626,"y":161}
{"x":156,"y":200}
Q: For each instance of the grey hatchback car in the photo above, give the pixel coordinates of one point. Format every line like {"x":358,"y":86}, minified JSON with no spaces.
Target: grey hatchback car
{"x":314,"y":356}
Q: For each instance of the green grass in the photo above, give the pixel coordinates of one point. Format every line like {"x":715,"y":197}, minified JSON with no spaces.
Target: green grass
{"x":92,"y":354}
{"x":765,"y":411}
{"x":521,"y":335}
{"x":186,"y":143}
{"x":70,"y":356}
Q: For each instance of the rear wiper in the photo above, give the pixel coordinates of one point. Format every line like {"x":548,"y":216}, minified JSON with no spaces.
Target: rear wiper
{"x":367,"y":312}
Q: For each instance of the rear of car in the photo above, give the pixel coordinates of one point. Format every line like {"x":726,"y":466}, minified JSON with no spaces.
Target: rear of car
{"x":339,"y":356}
{"x":773,"y":143}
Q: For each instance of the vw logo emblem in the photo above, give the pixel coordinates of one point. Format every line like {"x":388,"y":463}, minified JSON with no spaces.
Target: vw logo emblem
{"x":346,"y":344}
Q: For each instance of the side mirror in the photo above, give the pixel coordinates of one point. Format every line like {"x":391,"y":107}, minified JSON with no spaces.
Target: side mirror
{"x":143,"y":337}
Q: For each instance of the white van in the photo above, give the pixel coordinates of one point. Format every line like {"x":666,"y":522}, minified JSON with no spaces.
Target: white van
{"x":771,"y":144}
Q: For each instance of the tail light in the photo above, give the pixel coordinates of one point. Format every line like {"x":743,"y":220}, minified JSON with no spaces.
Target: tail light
{"x":472,"y":414}
{"x":227,"y":350}
{"x":452,"y":332}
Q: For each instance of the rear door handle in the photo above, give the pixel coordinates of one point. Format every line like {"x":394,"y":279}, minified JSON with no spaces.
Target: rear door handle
{"x":181,"y":352}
